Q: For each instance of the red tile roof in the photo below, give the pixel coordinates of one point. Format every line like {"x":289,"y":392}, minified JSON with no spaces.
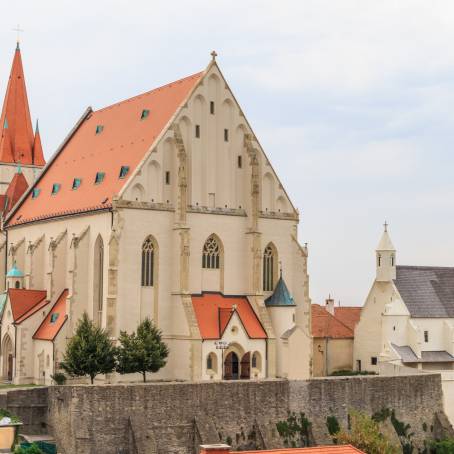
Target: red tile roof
{"x":333,"y":449}
{"x":16,"y":188}
{"x":17,"y":142}
{"x":48,"y":328}
{"x":25,"y":302}
{"x":326,"y":325}
{"x":348,"y":315}
{"x":123,"y":141}
{"x":212,"y":317}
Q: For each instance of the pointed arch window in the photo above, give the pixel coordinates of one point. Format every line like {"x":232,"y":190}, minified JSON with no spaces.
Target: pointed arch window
{"x":269,"y":264}
{"x":148,"y":255}
{"x":211,"y":254}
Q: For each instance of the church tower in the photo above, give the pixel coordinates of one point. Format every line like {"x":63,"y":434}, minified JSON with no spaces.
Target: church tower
{"x":386,"y":258}
{"x":19,"y":144}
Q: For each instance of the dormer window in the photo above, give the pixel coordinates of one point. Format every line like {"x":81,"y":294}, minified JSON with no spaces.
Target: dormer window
{"x":99,"y":129}
{"x":55,"y":188}
{"x":54,"y":317}
{"x":76,"y":183}
{"x":124,"y":171}
{"x":99,"y":177}
{"x":145,"y":114}
{"x":35,"y":192}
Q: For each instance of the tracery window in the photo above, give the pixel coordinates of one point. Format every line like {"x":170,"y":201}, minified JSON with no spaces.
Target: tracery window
{"x":268,"y":269}
{"x":148,"y":250}
{"x":211,"y":254}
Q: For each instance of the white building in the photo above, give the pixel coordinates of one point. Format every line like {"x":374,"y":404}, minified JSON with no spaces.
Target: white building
{"x":163,"y":206}
{"x":408,"y":316}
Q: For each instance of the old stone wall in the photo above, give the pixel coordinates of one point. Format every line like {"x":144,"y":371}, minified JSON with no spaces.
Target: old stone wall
{"x":177,"y":417}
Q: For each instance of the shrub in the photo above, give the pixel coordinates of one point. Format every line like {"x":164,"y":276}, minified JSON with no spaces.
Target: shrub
{"x":347,"y":372}
{"x":442,"y":447}
{"x":59,"y":378}
{"x":32,"y":449}
{"x":295,"y":430}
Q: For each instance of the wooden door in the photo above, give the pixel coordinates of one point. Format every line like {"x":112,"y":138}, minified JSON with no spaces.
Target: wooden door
{"x":246,"y":366}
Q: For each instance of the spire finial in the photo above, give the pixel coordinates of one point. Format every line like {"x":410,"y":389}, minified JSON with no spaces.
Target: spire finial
{"x":37,"y":127}
{"x":18,"y":30}
{"x":280,"y":268}
{"x":385,"y":225}
{"x":19,"y":167}
{"x":213,"y":55}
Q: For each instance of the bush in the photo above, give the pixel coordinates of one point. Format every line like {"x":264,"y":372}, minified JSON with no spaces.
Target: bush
{"x":6,"y":414}
{"x":365,"y":435}
{"x":32,"y":449}
{"x":347,"y":373}
{"x":59,"y":378}
{"x":442,"y":447}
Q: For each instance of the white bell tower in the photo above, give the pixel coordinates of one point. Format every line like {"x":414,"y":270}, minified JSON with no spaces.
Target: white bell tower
{"x":386,"y":258}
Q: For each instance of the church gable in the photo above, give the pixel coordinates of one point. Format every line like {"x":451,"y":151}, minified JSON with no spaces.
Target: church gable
{"x":212,"y":128}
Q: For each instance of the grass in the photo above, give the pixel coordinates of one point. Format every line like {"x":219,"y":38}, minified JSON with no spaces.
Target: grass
{"x":10,"y":386}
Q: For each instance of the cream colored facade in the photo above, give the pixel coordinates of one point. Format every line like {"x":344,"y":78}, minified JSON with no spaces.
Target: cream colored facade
{"x":217,"y":187}
{"x":330,"y":355}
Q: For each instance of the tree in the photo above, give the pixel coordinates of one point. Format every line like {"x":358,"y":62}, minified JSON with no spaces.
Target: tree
{"x":365,"y":435}
{"x":142,"y":352}
{"x":89,"y":352}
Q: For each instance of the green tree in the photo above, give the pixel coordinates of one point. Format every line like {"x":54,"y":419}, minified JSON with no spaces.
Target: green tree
{"x":89,"y":352}
{"x":143,"y":351}
{"x":365,"y":435}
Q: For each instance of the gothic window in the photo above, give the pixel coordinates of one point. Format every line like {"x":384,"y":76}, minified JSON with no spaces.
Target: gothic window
{"x":269,"y":265}
{"x":211,"y":254}
{"x":98,"y":271}
{"x":209,"y":362}
{"x":148,"y":250}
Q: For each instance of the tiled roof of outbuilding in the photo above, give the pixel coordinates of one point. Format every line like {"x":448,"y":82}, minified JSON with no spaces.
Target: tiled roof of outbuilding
{"x":25,"y":302}
{"x":348,"y":315}
{"x":407,"y":355}
{"x":427,"y":291}
{"x":54,"y":320}
{"x":332,"y":449}
{"x":326,"y":325}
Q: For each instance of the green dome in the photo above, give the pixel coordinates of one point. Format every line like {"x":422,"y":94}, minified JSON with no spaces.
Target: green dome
{"x":281,"y":296}
{"x":15,"y":272}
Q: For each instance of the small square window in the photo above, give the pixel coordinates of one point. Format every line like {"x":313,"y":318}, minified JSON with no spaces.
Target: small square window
{"x":35,"y":192}
{"x":76,"y":183}
{"x":99,"y":177}
{"x":145,"y":114}
{"x":54,"y":317}
{"x":373,"y":361}
{"x":226,"y":135}
{"x":212,"y":107}
{"x":240,"y":162}
{"x":426,"y":336}
{"x":197,"y":131}
{"x":55,"y":188}
{"x":99,"y":129}
{"x":124,"y":171}
{"x":167,"y":177}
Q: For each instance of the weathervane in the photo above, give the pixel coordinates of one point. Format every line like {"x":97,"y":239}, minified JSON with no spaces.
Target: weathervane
{"x":385,"y":225}
{"x":213,"y":55}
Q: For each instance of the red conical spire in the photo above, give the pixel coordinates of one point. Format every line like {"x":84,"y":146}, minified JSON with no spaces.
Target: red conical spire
{"x":16,"y":131}
{"x":38,"y":156}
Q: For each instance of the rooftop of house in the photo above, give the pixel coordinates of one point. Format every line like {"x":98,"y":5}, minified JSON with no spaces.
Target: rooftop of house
{"x":54,"y":320}
{"x":25,"y":303}
{"x":281,"y":296}
{"x":331,"y":449}
{"x":213,"y":312}
{"x":427,"y":291}
{"x":327,"y":325}
{"x":348,"y":315}
{"x":407,"y":355}
{"x":101,"y":153}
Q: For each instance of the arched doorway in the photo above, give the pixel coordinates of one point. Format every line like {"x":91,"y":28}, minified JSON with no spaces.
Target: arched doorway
{"x":246,"y":366}
{"x":7,"y":354}
{"x":231,"y":367}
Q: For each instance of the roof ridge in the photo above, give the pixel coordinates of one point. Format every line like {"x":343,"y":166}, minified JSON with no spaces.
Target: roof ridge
{"x":148,"y":92}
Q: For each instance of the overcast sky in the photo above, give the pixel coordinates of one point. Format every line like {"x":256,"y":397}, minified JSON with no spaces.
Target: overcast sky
{"x":353,"y":102}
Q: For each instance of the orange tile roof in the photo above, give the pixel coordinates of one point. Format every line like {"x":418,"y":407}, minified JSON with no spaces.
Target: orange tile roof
{"x":348,"y":315}
{"x":17,"y":142}
{"x":48,"y":329}
{"x":24,"y":302}
{"x":326,"y":325}
{"x":333,"y":449}
{"x":17,"y":186}
{"x":210,"y":313}
{"x":123,"y":141}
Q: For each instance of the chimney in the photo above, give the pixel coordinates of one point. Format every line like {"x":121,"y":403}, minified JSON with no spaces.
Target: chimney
{"x":215,"y":449}
{"x":329,"y":306}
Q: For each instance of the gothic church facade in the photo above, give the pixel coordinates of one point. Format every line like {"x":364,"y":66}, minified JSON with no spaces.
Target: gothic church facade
{"x":162,"y":206}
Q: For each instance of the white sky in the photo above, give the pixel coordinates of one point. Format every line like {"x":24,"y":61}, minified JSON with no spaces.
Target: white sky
{"x":351,"y":99}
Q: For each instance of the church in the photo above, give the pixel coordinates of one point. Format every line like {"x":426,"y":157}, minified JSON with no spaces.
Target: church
{"x":164,"y":206}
